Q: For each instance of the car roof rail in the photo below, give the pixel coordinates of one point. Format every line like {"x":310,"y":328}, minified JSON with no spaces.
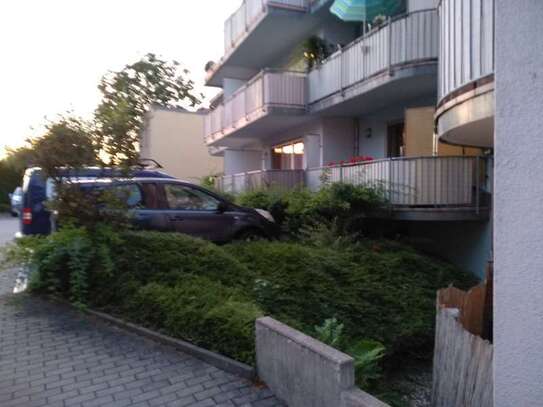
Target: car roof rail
{"x":149,"y":164}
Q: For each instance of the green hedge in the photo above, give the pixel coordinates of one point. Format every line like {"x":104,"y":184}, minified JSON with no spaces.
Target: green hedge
{"x":210,"y":295}
{"x":295,"y":209}
{"x":202,"y":311}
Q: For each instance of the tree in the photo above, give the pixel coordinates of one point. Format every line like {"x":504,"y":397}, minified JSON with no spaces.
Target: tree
{"x":67,"y":143}
{"x":11,"y":172}
{"x":128,"y":94}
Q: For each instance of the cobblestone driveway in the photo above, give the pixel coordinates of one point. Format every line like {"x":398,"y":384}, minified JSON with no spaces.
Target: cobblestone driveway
{"x":52,"y":356}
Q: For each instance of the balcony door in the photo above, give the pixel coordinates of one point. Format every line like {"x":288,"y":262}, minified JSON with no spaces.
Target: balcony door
{"x":395,"y":140}
{"x":289,"y":156}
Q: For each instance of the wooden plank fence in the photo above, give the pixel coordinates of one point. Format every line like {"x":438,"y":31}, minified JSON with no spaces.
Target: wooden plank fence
{"x":463,"y":357}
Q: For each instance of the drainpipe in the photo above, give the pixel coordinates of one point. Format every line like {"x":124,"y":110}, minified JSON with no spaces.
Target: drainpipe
{"x":356,"y":144}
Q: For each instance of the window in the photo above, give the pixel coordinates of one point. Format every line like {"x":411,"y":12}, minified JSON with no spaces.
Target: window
{"x":185,"y":198}
{"x":130,"y":194}
{"x":288,"y":156}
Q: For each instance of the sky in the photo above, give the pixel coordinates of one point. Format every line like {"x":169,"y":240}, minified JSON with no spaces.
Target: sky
{"x":54,"y":52}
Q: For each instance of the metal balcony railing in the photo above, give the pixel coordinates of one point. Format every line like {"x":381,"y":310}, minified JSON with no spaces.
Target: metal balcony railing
{"x":413,"y":181}
{"x":405,"y":39}
{"x":257,"y":180}
{"x":249,"y":14}
{"x":405,"y":182}
{"x":268,"y":89}
{"x":466,"y":52}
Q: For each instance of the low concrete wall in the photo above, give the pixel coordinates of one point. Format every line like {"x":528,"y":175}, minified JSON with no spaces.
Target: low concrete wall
{"x":303,"y":372}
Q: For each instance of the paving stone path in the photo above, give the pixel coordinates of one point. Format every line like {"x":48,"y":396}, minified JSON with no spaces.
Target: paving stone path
{"x":51,"y":355}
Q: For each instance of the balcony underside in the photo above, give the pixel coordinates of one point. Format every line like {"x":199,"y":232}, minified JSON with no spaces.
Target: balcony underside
{"x":469,"y":214}
{"x":402,"y":83}
{"x":254,"y":132}
{"x":278,"y":30}
{"x":468,"y":119}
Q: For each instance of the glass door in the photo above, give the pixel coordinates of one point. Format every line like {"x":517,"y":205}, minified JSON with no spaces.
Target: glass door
{"x":288,"y":156}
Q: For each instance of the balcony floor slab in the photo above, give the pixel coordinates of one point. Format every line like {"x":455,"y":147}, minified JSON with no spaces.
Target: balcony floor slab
{"x":254,"y":133}
{"x":388,"y":87}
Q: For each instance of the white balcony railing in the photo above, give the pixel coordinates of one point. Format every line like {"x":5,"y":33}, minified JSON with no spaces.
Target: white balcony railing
{"x":409,"y":182}
{"x":261,"y":179}
{"x":412,"y":181}
{"x":249,"y":14}
{"x":406,"y":39}
{"x":466,"y":43}
{"x":268,"y":89}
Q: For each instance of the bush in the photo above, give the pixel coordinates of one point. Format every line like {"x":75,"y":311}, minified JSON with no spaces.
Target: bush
{"x":201,"y":311}
{"x":379,"y":290}
{"x":64,"y":261}
{"x":296,"y":209}
{"x":210,"y":295}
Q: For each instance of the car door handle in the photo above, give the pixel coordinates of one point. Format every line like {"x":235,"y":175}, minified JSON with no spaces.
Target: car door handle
{"x":176,"y":218}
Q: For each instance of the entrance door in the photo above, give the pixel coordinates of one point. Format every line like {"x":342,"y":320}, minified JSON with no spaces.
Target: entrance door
{"x":395,"y":141}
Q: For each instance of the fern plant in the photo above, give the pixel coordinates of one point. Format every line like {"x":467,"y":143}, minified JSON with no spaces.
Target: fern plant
{"x":367,"y":355}
{"x":330,"y":332}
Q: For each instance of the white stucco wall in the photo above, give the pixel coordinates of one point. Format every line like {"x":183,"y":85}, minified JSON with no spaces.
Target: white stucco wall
{"x":338,"y":139}
{"x":468,"y":245}
{"x":236,"y":161}
{"x":376,"y":145}
{"x":518,"y":214}
{"x":373,"y":137}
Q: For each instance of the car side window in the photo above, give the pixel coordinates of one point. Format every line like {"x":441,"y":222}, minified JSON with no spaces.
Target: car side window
{"x":181,"y":197}
{"x":129,"y":194}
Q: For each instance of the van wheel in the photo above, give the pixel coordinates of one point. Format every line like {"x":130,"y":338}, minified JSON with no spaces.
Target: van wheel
{"x":250,"y":235}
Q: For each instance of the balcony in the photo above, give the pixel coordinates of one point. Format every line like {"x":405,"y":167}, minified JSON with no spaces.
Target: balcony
{"x":465,"y":113}
{"x":258,"y":32}
{"x":395,"y":60}
{"x":258,"y":180}
{"x":251,"y":112}
{"x":415,"y":188}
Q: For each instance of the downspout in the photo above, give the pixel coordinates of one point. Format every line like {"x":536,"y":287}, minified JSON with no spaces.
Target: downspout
{"x":356,"y":143}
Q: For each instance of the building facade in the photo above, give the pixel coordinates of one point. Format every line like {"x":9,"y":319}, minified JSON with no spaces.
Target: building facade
{"x":370,"y":105}
{"x":173,"y":137}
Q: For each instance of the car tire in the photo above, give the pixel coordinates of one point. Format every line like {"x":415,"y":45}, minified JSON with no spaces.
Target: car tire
{"x":14,"y":214}
{"x":250,"y":235}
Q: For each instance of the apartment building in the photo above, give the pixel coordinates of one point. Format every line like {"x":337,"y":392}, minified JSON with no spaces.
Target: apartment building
{"x":173,"y":137}
{"x":365,"y":112}
{"x":419,"y":94}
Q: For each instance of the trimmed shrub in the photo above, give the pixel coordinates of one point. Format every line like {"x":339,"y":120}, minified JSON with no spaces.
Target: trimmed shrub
{"x":167,"y":257}
{"x":210,"y":295}
{"x":297,"y":209}
{"x":379,"y":290}
{"x":201,"y":311}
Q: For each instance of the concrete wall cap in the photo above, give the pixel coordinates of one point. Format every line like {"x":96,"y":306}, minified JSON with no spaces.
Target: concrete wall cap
{"x":304,"y":340}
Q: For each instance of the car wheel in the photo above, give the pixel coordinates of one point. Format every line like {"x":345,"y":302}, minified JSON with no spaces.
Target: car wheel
{"x":14,"y":214}
{"x":250,"y":235}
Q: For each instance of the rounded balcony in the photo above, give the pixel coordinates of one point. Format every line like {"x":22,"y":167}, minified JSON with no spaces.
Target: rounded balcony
{"x":465,"y":111}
